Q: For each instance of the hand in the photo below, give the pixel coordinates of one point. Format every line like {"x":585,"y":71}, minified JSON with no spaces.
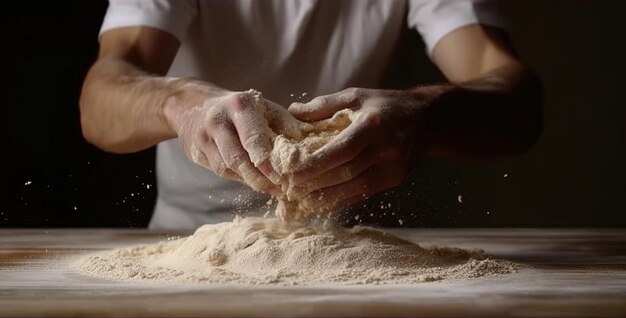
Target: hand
{"x":370,"y":155}
{"x":226,"y":132}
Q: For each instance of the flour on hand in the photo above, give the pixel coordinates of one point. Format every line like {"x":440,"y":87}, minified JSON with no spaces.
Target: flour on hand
{"x":294,"y":142}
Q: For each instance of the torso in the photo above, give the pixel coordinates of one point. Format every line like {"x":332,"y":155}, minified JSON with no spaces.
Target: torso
{"x":284,"y":50}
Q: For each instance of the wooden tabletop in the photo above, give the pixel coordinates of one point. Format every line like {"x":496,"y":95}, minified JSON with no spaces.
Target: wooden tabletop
{"x":572,"y":272}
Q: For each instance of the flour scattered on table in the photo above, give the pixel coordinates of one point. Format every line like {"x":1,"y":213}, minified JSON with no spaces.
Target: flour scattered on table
{"x":268,"y":251}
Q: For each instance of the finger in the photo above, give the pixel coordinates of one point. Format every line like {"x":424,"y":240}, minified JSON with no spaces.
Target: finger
{"x":341,"y":149}
{"x":259,"y":182}
{"x":323,"y":107}
{"x":205,"y":154}
{"x":268,"y":170}
{"x":376,"y":179}
{"x":215,"y":162}
{"x":349,"y":170}
{"x":253,"y":133}
{"x":197,"y":155}
{"x":236,"y":159}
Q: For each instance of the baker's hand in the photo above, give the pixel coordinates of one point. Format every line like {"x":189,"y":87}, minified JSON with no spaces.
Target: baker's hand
{"x":369,"y":156}
{"x":226,"y":133}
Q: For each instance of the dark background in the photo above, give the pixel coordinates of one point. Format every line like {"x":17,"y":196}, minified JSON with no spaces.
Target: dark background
{"x":574,"y":176}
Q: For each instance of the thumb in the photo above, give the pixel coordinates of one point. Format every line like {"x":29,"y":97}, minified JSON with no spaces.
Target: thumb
{"x":322,"y":107}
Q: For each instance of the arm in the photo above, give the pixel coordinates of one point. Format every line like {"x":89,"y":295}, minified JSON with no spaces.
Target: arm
{"x":493,"y":103}
{"x":124,"y":96}
{"x":491,"y":106}
{"x":127,"y":105}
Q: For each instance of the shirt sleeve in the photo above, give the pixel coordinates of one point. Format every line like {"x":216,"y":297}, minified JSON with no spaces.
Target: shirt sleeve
{"x":434,"y":19}
{"x":172,"y":16}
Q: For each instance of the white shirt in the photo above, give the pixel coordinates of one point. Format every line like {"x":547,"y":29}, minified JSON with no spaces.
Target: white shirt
{"x":290,"y":50}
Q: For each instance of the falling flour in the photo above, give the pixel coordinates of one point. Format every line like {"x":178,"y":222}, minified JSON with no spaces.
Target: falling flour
{"x":293,"y":248}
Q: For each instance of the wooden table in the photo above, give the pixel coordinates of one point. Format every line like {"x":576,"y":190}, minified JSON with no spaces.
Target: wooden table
{"x":569,"y":273}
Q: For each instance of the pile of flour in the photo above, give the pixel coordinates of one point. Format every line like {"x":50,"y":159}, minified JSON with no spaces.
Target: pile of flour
{"x":269,"y":251}
{"x":296,"y":247}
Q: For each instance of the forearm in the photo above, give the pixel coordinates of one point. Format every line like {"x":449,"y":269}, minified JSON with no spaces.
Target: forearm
{"x":122,"y":107}
{"x":499,"y":113}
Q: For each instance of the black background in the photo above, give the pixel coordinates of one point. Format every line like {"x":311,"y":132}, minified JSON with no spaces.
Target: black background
{"x":48,"y":47}
{"x":574,"y":176}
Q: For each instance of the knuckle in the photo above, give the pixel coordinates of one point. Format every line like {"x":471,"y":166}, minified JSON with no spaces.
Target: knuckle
{"x":216,"y":120}
{"x":232,"y":160}
{"x":203,"y":137}
{"x":321,"y":100}
{"x":196,"y":154}
{"x":357,"y":93}
{"x":228,"y":163}
{"x":372,"y":119}
{"x":240,"y":101}
{"x":347,"y":173}
{"x":352,"y":91}
{"x":267,"y":188}
{"x":221,"y":170}
{"x":257,"y":145}
{"x":255,"y":140}
{"x":229,"y":160}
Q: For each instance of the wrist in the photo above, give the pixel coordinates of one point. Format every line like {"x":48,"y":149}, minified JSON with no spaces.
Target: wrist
{"x":184,"y":95}
{"x":429,"y":103}
{"x":172,"y":108}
